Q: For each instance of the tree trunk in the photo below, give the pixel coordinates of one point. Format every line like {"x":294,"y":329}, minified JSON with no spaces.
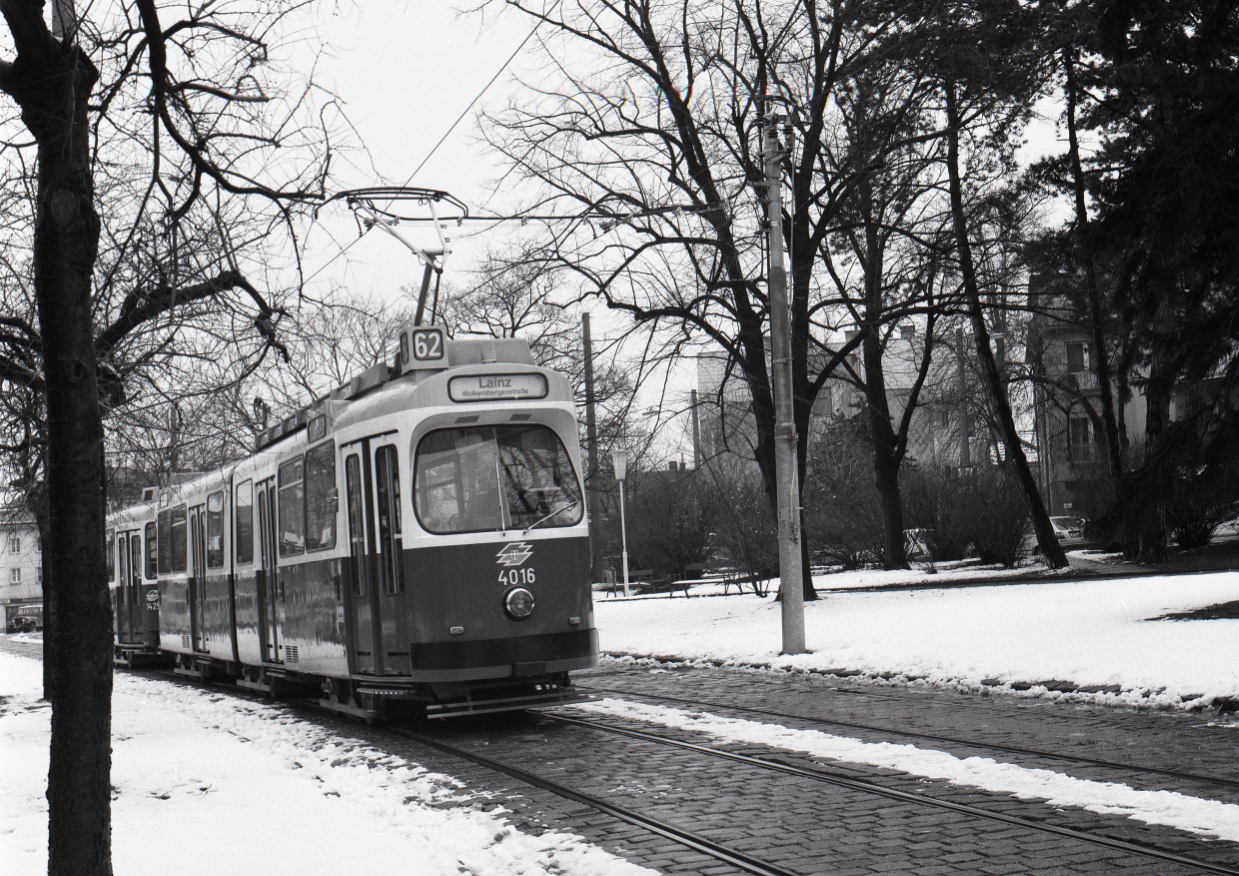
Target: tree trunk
{"x":1100,"y":354}
{"x":1051,"y":550}
{"x":52,"y":83}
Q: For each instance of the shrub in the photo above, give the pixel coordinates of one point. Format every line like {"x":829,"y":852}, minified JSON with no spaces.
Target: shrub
{"x":843,"y":513}
{"x":981,"y":513}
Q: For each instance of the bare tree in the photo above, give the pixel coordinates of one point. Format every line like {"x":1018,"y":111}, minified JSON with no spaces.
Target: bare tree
{"x":654,"y":149}
{"x":886,"y":261}
{"x":186,"y":94}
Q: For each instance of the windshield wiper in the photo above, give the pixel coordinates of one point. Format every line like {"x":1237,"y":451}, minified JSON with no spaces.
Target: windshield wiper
{"x":558,"y":510}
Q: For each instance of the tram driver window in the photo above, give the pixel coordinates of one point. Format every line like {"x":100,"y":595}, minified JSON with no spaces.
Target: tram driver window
{"x":506,"y":477}
{"x":321,"y":502}
{"x":215,"y":531}
{"x":245,"y":522}
{"x":292,"y":507}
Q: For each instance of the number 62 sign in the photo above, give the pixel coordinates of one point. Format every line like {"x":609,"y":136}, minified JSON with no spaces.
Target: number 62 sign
{"x":423,"y":347}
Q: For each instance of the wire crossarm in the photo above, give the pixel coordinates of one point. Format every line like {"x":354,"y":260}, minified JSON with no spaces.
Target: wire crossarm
{"x":386,"y":207}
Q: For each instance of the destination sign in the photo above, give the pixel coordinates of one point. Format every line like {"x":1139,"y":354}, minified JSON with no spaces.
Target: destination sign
{"x":493,"y":387}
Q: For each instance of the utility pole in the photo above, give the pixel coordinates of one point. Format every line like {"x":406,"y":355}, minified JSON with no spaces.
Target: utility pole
{"x":591,"y":438}
{"x":791,"y":575}
{"x":696,"y":434}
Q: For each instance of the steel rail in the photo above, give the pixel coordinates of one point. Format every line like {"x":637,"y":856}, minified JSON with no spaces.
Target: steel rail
{"x":996,"y":746}
{"x":905,"y":796}
{"x":662,"y":828}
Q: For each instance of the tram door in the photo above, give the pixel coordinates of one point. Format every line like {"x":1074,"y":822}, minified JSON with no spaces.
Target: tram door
{"x":372,"y":492}
{"x":124,"y":594}
{"x":268,"y":621}
{"x":131,"y":607}
{"x":197,"y":576}
{"x":137,"y":599}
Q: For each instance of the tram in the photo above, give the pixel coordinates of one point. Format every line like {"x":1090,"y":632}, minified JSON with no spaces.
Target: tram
{"x":414,"y":541}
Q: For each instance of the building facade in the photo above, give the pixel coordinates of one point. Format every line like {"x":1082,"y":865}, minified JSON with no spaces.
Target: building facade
{"x":21,"y":565}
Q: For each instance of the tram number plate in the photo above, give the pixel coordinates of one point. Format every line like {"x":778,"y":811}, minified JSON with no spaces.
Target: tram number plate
{"x":512,"y":577}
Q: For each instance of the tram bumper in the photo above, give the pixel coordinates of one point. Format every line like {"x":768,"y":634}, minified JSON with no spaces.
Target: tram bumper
{"x":524,"y":657}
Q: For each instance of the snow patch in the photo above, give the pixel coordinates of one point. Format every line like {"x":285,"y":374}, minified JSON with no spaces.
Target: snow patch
{"x":207,"y":781}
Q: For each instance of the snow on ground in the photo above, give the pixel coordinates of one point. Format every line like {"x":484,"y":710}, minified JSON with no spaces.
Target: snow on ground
{"x":250,"y":788}
{"x":1089,"y":633}
{"x":1169,"y":808}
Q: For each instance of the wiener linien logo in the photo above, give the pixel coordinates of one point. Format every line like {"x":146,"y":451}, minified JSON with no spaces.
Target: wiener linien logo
{"x":514,"y":554}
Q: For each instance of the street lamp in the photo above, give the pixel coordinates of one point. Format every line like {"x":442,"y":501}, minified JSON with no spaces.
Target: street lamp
{"x":619,"y":458}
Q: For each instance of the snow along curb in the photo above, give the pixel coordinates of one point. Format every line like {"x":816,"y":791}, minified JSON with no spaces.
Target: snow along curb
{"x":1112,"y":695}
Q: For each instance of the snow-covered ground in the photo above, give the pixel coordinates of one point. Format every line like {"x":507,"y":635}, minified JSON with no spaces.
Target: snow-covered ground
{"x":211,"y":783}
{"x":1088,"y":633}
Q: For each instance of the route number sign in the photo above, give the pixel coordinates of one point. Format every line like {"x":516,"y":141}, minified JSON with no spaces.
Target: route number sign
{"x":423,"y":347}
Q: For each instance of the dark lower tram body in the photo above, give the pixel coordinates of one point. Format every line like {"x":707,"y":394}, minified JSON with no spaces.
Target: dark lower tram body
{"x":443,"y":646}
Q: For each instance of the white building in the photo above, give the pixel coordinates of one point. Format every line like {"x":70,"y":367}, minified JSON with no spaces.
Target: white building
{"x":21,"y":565}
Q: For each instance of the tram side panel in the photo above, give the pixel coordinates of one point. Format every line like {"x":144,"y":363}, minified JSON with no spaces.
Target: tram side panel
{"x":309,"y":593}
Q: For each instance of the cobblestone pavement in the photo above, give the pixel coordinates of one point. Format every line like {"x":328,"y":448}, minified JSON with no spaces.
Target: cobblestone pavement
{"x":809,"y":827}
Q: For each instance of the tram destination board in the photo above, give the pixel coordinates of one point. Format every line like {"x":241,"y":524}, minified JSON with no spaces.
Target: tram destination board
{"x":487,"y":387}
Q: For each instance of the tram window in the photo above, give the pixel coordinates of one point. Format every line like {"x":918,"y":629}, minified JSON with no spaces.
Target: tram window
{"x":292,"y":507}
{"x":111,"y":557}
{"x":507,"y":477}
{"x":178,"y":539}
{"x":152,"y":549}
{"x":245,"y":522}
{"x":215,"y":531}
{"x":321,"y":502}
{"x":387,"y":493}
{"x":165,"y":542}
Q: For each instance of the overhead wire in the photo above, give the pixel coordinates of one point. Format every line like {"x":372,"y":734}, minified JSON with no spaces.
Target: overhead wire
{"x":435,"y":148}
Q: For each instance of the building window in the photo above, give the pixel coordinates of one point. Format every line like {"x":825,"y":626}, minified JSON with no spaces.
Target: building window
{"x":15,"y":544}
{"x":15,"y":576}
{"x":1077,"y":358}
{"x":38,"y":575}
{"x":1080,"y":428}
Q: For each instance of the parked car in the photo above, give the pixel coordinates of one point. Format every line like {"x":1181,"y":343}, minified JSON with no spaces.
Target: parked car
{"x":22,"y":625}
{"x":1069,"y":530}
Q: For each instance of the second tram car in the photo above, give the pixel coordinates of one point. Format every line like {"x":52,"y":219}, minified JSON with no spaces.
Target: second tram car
{"x":416,"y":539}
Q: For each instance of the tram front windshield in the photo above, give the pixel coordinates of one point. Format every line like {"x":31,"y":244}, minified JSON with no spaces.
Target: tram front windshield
{"x":495,"y":478}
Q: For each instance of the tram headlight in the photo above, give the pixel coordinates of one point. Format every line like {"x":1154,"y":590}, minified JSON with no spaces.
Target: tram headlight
{"x":518,"y":603}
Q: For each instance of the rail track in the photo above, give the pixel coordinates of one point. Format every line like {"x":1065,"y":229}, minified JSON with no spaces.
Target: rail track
{"x":932,"y":737}
{"x":696,"y":841}
{"x":874,"y":788}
